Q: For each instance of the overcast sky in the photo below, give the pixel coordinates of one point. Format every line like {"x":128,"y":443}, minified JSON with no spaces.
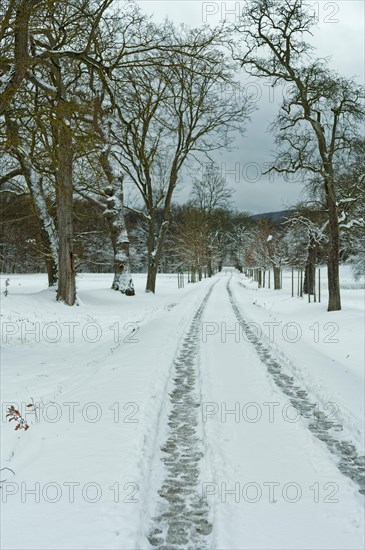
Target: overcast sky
{"x":340,"y":34}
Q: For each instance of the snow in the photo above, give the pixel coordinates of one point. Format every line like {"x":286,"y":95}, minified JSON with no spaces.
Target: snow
{"x":329,"y":356}
{"x":255,"y":482}
{"x":100,"y":375}
{"x":6,"y":78}
{"x":131,"y":372}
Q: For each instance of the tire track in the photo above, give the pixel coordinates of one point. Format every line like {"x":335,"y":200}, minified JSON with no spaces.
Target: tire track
{"x":182,"y":517}
{"x":350,"y":463}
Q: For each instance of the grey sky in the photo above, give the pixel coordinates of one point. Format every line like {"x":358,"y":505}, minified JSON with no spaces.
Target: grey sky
{"x":340,"y":34}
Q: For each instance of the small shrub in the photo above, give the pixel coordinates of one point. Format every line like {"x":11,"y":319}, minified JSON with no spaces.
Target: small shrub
{"x":14,"y":414}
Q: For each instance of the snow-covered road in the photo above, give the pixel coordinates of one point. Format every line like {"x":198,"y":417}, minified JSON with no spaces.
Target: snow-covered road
{"x":182,"y":435}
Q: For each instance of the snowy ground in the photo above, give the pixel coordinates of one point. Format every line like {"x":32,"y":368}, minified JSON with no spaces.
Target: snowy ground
{"x":117,"y":379}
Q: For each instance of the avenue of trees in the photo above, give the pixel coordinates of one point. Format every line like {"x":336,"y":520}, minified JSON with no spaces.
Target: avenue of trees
{"x":105,"y":114}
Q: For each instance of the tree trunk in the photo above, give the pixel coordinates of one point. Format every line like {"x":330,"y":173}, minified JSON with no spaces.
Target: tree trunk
{"x":209,"y":267}
{"x":48,"y":235}
{"x":277,"y":280}
{"x":151,"y":256}
{"x":114,"y":213}
{"x":308,"y":285}
{"x":64,"y":193}
{"x":52,"y":272}
{"x":333,"y":261}
{"x":151,"y":276}
{"x":47,"y":230}
{"x":122,"y":281}
{"x":155,"y":246}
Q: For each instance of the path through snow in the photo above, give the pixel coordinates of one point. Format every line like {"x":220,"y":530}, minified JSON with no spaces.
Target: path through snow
{"x":182,"y":521}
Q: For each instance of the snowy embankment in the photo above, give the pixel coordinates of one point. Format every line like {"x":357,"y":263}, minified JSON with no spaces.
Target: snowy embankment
{"x":325,"y":351}
{"x":98,"y":407}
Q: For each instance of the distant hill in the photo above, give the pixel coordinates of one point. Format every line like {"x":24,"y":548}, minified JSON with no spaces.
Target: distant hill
{"x":272,"y":216}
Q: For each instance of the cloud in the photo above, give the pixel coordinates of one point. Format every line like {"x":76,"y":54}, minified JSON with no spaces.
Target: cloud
{"x":339,"y":34}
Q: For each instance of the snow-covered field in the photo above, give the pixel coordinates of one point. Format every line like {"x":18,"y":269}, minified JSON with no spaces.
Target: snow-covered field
{"x":88,"y":472}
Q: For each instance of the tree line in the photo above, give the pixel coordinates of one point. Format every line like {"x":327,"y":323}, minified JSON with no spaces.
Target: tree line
{"x":204,"y":234}
{"x":97,"y":102}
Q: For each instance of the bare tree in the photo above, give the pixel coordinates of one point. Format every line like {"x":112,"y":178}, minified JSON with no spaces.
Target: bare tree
{"x":63,"y":49}
{"x":321,"y":111}
{"x":191,"y":242}
{"x":172,"y":113}
{"x":43,"y":36}
{"x":211,"y":191}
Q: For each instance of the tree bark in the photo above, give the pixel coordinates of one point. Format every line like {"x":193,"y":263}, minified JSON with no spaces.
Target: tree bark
{"x":47,"y":230}
{"x":114,"y":213}
{"x":122,"y":281}
{"x":21,"y":61}
{"x":209,"y":267}
{"x":308,"y":285}
{"x":155,"y":246}
{"x":333,"y":261}
{"x":151,"y":255}
{"x":277,"y":280}
{"x":64,"y":194}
